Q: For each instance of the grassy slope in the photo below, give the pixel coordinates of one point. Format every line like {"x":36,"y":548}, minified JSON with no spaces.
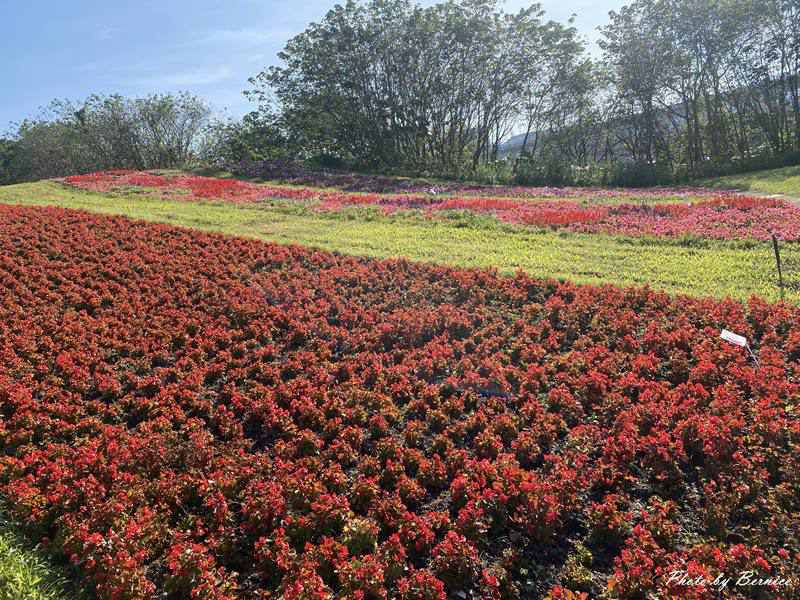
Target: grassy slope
{"x":721,"y":269}
{"x":784,"y":181}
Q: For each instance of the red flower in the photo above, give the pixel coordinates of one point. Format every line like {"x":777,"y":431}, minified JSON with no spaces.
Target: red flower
{"x":212,"y":417}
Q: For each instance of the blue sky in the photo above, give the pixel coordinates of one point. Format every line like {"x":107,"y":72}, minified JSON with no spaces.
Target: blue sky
{"x":54,"y":49}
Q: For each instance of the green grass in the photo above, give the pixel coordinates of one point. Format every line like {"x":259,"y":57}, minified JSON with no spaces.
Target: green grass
{"x":27,"y":573}
{"x":784,"y":181}
{"x":696,"y":267}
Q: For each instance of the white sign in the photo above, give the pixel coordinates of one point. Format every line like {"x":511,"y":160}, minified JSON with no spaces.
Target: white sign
{"x":733,"y":338}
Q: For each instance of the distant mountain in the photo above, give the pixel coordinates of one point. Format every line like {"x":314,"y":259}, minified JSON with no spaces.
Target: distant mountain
{"x":514,"y":144}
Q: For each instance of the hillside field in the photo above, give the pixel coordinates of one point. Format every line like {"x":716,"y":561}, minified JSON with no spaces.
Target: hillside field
{"x":731,"y":260}
{"x":784,"y":182}
{"x":218,"y":389}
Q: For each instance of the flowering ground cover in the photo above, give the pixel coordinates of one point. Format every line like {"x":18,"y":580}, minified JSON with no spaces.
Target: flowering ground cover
{"x":701,"y":267}
{"x":198,"y":187}
{"x":192,"y":415}
{"x":723,"y":217}
{"x":183,"y":187}
{"x":194,"y":187}
{"x":295,"y":173}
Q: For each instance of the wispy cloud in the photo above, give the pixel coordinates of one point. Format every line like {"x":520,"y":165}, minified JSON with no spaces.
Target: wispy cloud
{"x":192,"y":77}
{"x":244,"y":36}
{"x":105,"y":33}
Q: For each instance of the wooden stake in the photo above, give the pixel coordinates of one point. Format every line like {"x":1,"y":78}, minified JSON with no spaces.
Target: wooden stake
{"x":778,"y":262}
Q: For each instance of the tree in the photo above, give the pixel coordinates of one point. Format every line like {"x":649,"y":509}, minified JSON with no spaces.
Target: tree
{"x":107,"y":132}
{"x":552,"y":60}
{"x":165,"y":127}
{"x":390,"y":83}
{"x":764,"y":77}
{"x":698,"y":82}
{"x":8,"y":158}
{"x":257,"y":136}
{"x":636,"y":50}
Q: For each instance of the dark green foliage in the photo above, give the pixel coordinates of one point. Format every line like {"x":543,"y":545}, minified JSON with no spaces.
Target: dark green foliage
{"x":390,"y":84}
{"x":106,"y":132}
{"x":8,"y":153}
{"x":684,"y":89}
{"x":257,"y":136}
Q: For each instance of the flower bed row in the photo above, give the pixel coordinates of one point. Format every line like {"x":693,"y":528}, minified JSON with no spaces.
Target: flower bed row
{"x":295,"y":173}
{"x":190,"y":415}
{"x":726,"y":217}
{"x":392,"y":190}
{"x":185,"y":187}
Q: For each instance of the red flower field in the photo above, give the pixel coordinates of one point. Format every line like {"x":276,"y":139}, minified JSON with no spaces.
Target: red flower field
{"x":184,"y":187}
{"x":714,"y":216}
{"x":190,"y":415}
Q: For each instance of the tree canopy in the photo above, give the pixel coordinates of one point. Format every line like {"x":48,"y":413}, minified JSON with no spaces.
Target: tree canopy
{"x":105,"y":132}
{"x":682,"y":86}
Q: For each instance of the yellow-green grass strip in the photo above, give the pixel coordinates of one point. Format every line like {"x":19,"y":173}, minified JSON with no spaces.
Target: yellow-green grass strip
{"x":696,"y":267}
{"x":28,"y":573}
